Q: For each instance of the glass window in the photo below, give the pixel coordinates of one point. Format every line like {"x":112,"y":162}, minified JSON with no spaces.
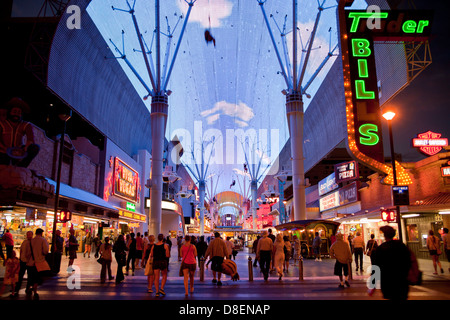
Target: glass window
{"x":413,"y":232}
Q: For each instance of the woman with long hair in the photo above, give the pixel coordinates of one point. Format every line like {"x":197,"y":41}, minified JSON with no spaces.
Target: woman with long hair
{"x":120,"y":249}
{"x":106,"y":253}
{"x":160,"y":254}
{"x":188,"y":263}
{"x":151,"y":275}
{"x":278,"y":255}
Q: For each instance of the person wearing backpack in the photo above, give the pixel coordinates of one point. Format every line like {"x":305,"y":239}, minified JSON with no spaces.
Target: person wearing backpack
{"x":434,"y":247}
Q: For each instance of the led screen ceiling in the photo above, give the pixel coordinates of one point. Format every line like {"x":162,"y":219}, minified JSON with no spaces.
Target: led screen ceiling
{"x":225,"y":93}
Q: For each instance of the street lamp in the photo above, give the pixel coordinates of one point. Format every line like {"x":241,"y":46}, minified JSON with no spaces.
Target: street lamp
{"x":389,"y":115}
{"x":64,"y":117}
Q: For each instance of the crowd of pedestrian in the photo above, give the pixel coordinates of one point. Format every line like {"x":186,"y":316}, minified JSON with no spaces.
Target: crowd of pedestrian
{"x":273,"y":253}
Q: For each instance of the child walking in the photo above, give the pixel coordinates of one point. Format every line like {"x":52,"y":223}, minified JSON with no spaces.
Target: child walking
{"x":12,"y":273}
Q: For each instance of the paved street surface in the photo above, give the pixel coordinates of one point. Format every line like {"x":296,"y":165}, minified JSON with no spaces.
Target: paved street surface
{"x":318,"y":284}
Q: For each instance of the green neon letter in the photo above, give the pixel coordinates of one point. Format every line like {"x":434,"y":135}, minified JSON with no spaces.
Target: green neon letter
{"x":361,"y":92}
{"x":409,"y":26}
{"x":363,"y":71}
{"x":422,"y":24}
{"x":365,"y":15}
{"x":369,"y":133}
{"x":360,"y":48}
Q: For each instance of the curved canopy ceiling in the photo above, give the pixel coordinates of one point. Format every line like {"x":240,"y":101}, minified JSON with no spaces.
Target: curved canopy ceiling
{"x":225,"y":94}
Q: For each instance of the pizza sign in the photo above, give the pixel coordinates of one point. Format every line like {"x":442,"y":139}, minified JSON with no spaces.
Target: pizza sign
{"x":430,"y":143}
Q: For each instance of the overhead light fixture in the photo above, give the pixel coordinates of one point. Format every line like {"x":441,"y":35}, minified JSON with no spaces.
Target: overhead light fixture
{"x":411,"y":215}
{"x":444,"y":212}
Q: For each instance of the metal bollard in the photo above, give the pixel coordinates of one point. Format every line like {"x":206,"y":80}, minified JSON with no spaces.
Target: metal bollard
{"x":250,"y":269}
{"x":202,"y":269}
{"x":300,"y":269}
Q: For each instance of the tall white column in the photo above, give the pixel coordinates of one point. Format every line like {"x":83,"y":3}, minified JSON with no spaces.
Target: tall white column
{"x":294,"y":111}
{"x":158,"y":122}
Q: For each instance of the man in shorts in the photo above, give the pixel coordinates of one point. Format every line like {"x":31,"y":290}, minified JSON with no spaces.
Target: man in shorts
{"x":217,"y":251}
{"x":340,"y":250}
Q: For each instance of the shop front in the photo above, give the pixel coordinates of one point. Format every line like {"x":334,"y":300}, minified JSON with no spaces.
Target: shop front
{"x":128,"y":222}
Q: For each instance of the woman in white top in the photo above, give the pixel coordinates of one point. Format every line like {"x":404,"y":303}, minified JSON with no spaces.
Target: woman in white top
{"x":278,"y":255}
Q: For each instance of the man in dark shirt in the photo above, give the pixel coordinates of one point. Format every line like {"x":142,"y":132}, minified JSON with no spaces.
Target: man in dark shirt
{"x":131,"y":254}
{"x":394,"y":260}
{"x":57,"y":253}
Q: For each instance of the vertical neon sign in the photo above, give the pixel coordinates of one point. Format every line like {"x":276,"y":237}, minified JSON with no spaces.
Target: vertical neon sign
{"x":357,"y":35}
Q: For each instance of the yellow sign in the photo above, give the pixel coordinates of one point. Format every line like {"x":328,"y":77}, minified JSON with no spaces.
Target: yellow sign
{"x":132,"y":215}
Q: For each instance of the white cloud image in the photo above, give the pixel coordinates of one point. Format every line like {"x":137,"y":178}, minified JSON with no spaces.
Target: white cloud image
{"x":208,"y":12}
{"x":241,"y":111}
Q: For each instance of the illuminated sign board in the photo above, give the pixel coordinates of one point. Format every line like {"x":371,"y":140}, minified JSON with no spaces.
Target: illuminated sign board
{"x":329,"y":201}
{"x":341,"y":197}
{"x":346,"y":171}
{"x":132,"y":215}
{"x":131,"y":206}
{"x":125,"y":181}
{"x":328,"y":184}
{"x":358,"y":31}
{"x":63,"y":216}
{"x":388,"y":215}
{"x":445,"y":171}
{"x":400,"y":195}
{"x":430,"y":143}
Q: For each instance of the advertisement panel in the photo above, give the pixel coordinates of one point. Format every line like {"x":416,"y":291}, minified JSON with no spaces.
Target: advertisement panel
{"x":328,"y":184}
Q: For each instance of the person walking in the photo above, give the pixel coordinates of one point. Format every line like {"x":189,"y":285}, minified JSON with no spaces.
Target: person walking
{"x":394,"y":260}
{"x":66,"y":245}
{"x":131,"y":254}
{"x":297,"y":249}
{"x":38,"y":251}
{"x":188,"y":264}
{"x":434,"y":248}
{"x":9,"y":243}
{"x":278,"y":255}
{"x":358,"y":249}
{"x":254,"y":247}
{"x":287,"y":253}
{"x":179,"y":244}
{"x":105,"y":252}
{"x":317,"y":242}
{"x":340,"y":250}
{"x":139,"y":249}
{"x":201,"y":247}
{"x":149,"y":263}
{"x":217,"y":251}
{"x":57,"y":252}
{"x":445,"y":240}
{"x":160,"y":252}
{"x":120,"y":253}
{"x":88,"y":245}
{"x":264,"y":254}
{"x":371,"y":246}
{"x":11,"y":276}
{"x":73,"y":247}
{"x":230,"y":247}
{"x":145,"y":243}
{"x":24,"y":249}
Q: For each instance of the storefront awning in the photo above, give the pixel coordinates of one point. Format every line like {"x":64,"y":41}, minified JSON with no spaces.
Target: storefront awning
{"x":69,"y":192}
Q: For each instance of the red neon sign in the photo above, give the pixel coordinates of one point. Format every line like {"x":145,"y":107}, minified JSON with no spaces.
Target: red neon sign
{"x":430,"y":143}
{"x":126,"y":181}
{"x":389,"y":215}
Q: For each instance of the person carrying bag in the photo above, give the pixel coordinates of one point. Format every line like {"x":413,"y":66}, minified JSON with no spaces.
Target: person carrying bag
{"x":36,"y":264}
